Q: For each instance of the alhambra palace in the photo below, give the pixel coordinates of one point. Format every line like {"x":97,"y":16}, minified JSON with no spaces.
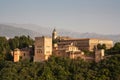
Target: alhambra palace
{"x":62,"y":46}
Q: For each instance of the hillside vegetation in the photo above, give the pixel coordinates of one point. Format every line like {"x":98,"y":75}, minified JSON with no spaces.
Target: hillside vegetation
{"x":57,"y":68}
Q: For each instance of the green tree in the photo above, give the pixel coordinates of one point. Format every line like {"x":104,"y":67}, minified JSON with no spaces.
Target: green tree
{"x":4,"y":48}
{"x":115,"y":49}
{"x":101,"y":46}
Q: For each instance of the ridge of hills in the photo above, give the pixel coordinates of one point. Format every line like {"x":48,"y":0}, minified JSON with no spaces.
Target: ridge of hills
{"x":11,"y":30}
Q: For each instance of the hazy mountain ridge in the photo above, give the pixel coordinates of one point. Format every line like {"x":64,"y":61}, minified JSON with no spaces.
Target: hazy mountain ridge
{"x":34,"y":28}
{"x":11,"y":30}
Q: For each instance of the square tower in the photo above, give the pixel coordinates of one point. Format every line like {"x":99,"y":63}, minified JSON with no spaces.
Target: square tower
{"x":43,"y":48}
{"x":16,"y":55}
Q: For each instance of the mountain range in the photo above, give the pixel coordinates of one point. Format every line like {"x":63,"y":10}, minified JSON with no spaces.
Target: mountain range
{"x":11,"y":30}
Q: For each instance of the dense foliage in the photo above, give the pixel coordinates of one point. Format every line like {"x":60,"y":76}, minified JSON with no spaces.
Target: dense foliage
{"x":57,"y":68}
{"x":17,"y":42}
{"x":115,"y":49}
{"x":4,"y":48}
{"x":101,"y":46}
{"x":20,"y":42}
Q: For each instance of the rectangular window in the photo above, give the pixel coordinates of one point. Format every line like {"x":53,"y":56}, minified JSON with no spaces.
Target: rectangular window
{"x":48,"y":46}
{"x":47,"y":52}
{"x":39,"y":46}
{"x":39,"y":51}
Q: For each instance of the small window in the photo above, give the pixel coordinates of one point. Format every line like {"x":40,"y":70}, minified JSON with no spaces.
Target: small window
{"x":39,"y":51}
{"x":47,"y":52}
{"x":47,"y":46}
{"x":24,"y":54}
{"x":39,"y":46}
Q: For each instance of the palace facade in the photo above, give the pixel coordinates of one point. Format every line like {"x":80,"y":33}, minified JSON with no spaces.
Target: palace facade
{"x":81,"y":43}
{"x":62,"y":46}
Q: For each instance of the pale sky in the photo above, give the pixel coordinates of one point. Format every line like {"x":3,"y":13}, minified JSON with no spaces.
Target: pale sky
{"x":97,"y":16}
